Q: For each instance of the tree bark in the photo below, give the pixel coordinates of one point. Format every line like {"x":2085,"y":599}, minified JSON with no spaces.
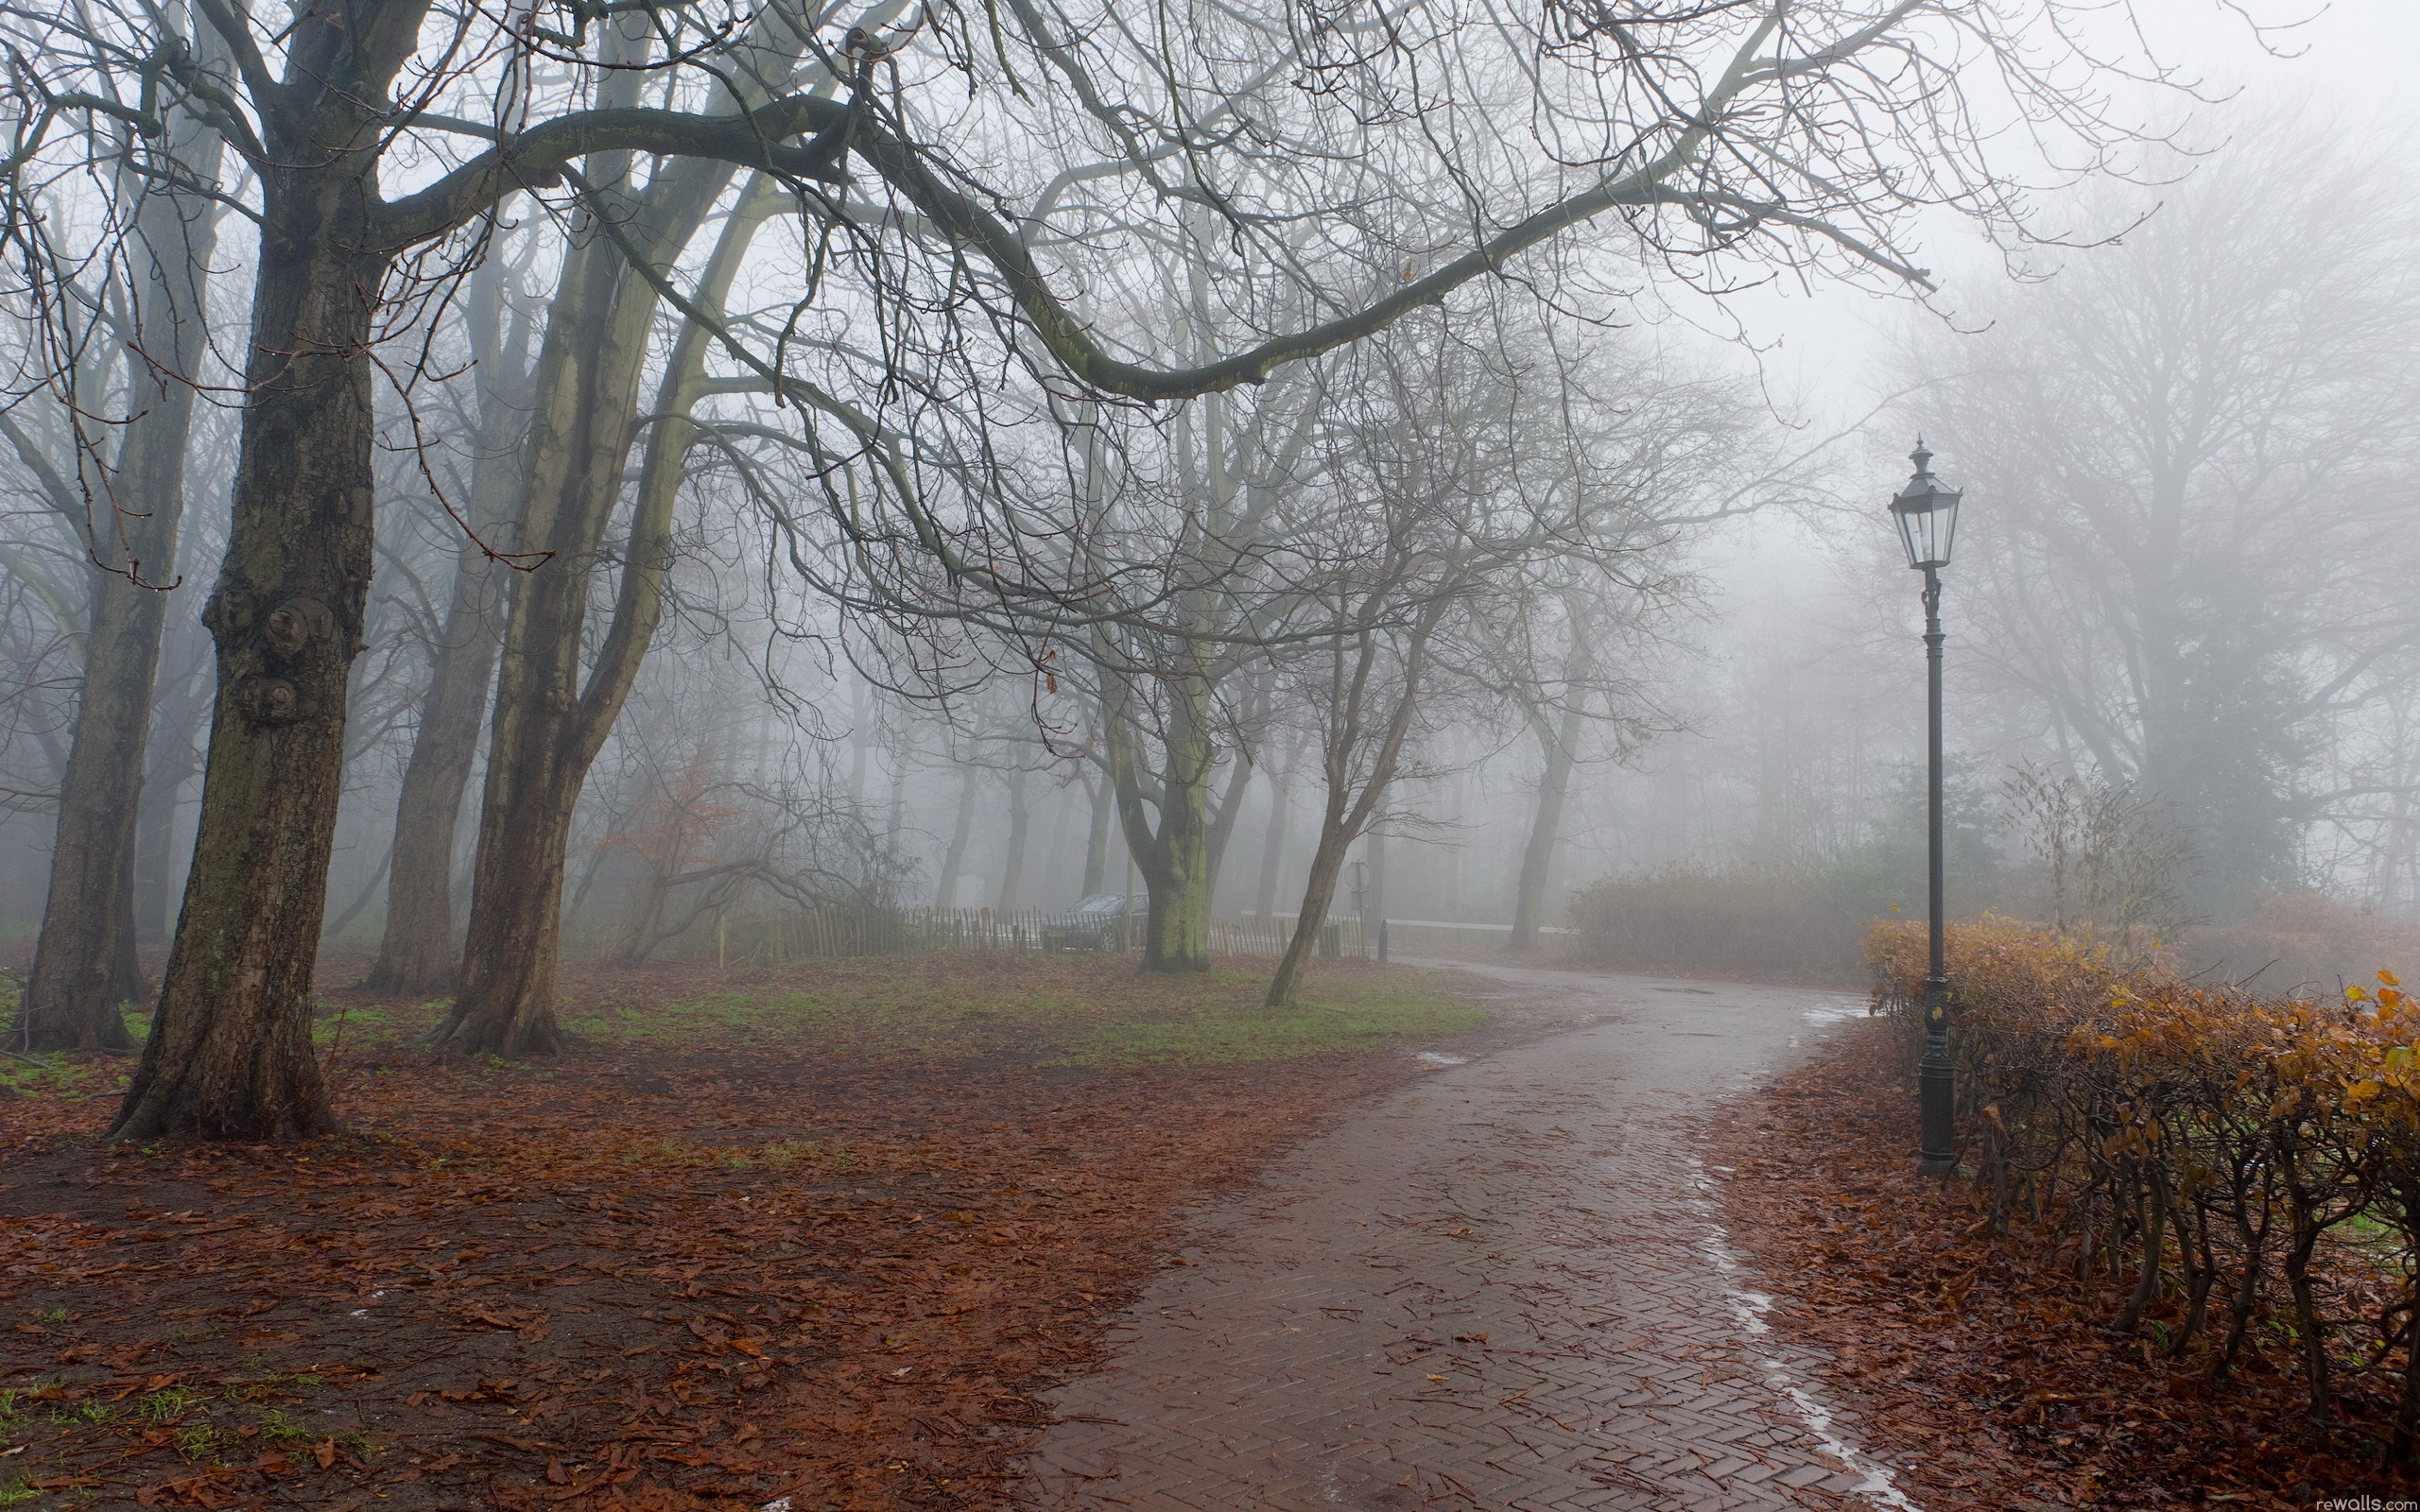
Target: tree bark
{"x":417,"y":953}
{"x":229,"y":1055}
{"x":548,"y":727}
{"x":1174,"y":854}
{"x":84,"y":965}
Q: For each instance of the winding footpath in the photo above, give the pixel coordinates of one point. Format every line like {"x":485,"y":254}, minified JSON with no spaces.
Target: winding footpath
{"x":1505,"y":1287}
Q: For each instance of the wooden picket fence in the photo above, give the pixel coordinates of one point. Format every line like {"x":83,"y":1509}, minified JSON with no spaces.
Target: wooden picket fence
{"x":829,"y":934}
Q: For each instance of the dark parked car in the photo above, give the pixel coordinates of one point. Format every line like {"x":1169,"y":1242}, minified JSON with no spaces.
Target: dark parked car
{"x":1098,"y":923}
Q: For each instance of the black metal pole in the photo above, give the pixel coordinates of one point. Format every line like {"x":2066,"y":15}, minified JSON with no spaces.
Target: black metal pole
{"x":1935,"y":1079}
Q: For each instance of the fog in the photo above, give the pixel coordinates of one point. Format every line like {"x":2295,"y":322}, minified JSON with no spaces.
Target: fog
{"x":818,"y":580}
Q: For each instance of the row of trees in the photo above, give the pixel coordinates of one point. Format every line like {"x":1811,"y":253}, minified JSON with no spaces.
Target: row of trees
{"x":1043,"y":337}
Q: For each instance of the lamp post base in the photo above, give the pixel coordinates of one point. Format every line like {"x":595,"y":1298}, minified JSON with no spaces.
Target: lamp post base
{"x":1935,"y":1089}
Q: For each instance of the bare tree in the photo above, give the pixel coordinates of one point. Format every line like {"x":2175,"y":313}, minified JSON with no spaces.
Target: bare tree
{"x":1806,"y":131}
{"x":2116,"y":859}
{"x":417,"y":953}
{"x":84,"y":961}
{"x":2188,"y":561}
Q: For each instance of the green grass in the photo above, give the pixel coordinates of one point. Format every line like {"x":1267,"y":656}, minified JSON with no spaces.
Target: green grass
{"x":357,"y":1024}
{"x":277,"y":1428}
{"x":15,"y":1492}
{"x":1333,"y":1016}
{"x":1085,"y":1014}
{"x":159,"y":1406}
{"x":879,"y":1020}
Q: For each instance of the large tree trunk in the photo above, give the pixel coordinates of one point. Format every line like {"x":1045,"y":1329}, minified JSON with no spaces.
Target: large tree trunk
{"x":1174,"y":854}
{"x":84,"y":962}
{"x":1545,"y":829}
{"x":588,"y":378}
{"x":417,"y":953}
{"x":548,"y":726}
{"x":229,"y":1055}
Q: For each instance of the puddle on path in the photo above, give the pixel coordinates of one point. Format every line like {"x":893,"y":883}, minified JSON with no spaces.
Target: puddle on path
{"x":1749,"y":1308}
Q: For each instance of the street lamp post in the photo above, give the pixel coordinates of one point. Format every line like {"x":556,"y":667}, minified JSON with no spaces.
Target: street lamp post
{"x":1927,"y":515}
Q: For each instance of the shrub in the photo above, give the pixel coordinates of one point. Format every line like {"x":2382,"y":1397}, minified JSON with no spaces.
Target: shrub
{"x":2223,"y":1150}
{"x":2296,"y":942}
{"x":1692,"y":920}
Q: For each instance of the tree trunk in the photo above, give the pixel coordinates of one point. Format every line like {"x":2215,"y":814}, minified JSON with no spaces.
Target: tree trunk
{"x":1222,"y":823}
{"x":1346,"y":814}
{"x":229,"y":1055}
{"x":1545,"y":830}
{"x":961,"y":830}
{"x":1272,"y":847}
{"x":1373,"y":904}
{"x":1174,"y":855}
{"x":1319,"y":896}
{"x":1012,"y":864}
{"x":417,"y":953}
{"x":84,"y":964}
{"x":173,"y":762}
{"x":548,"y":726}
{"x":1097,"y":838}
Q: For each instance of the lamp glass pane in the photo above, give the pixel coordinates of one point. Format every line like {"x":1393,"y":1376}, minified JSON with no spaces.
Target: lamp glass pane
{"x":1908,"y":520}
{"x":1926,"y":521}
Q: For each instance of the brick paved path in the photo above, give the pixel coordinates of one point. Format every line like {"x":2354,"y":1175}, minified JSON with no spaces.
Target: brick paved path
{"x":1505,"y":1287}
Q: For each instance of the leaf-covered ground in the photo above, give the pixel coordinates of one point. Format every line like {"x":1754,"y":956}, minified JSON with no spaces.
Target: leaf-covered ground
{"x":820,"y":1232}
{"x":1984,"y":1380}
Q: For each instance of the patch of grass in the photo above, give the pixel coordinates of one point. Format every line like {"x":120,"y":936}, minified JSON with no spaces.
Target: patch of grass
{"x":15,"y":1492}
{"x":1080,"y":1010}
{"x":53,"y":1074}
{"x":1333,"y":1016}
{"x":195,"y":1440}
{"x":881,"y":1023}
{"x":277,"y":1428}
{"x":355,"y":1024}
{"x":159,"y":1406}
{"x":57,"y":1314}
